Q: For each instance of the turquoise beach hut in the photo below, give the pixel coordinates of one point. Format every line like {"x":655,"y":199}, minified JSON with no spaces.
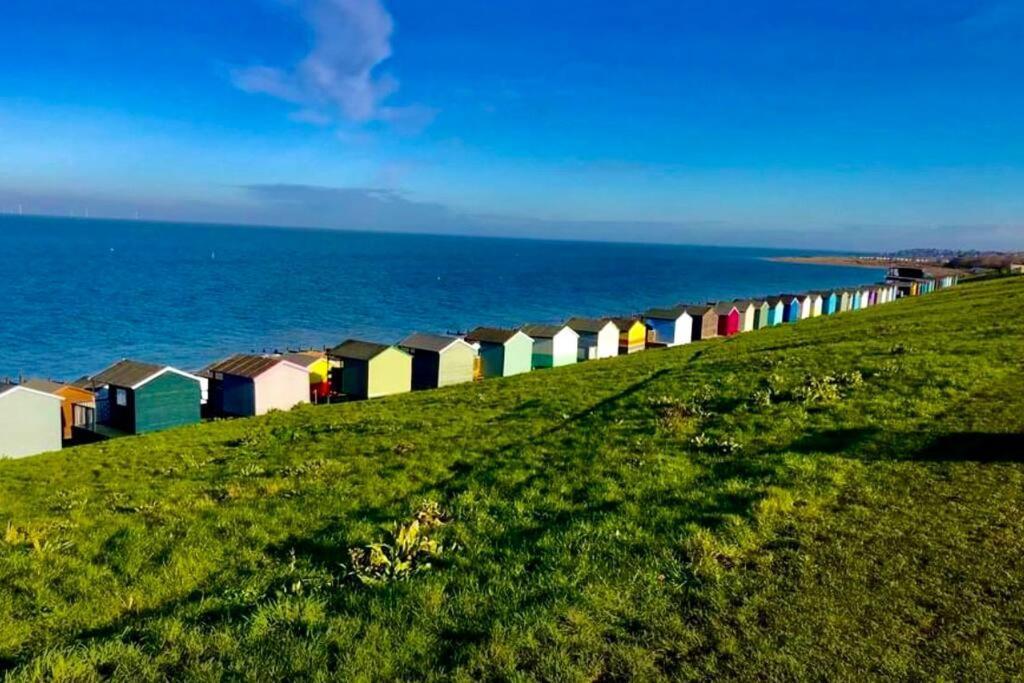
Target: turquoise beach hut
{"x":855,"y":299}
{"x":829,"y":302}
{"x":503,"y":353}
{"x":776,"y":311}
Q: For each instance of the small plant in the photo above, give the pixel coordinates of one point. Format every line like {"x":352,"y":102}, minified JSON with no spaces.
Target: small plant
{"x":411,"y":551}
{"x":900,"y":349}
{"x":671,"y":409}
{"x":815,"y":390}
{"x":850,"y":380}
{"x":710,"y":444}
{"x":889,"y":368}
{"x":761,"y":398}
{"x":68,"y":501}
{"x":252,"y":470}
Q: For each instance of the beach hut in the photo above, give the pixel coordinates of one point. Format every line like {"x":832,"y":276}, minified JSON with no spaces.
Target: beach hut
{"x":669,"y":326}
{"x":369,"y":370}
{"x":502,"y":352}
{"x":318,"y":366}
{"x":728,"y":319}
{"x":829,"y":302}
{"x":138,"y":398}
{"x":632,"y":334}
{"x":792,"y":310}
{"x":30,"y":421}
{"x":245,"y":385}
{"x":598,"y":338}
{"x":776,"y":310}
{"x":705,"y":322}
{"x":78,"y":402}
{"x":748,"y":314}
{"x":762,"y":313}
{"x":439,"y":361}
{"x":816,"y":305}
{"x":553,"y":345}
{"x":865,"y":297}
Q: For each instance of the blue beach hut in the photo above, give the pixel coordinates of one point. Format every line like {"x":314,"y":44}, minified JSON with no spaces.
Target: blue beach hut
{"x":791,"y":308}
{"x":855,"y":299}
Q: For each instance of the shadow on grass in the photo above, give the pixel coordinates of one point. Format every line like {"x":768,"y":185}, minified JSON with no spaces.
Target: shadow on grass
{"x":871,"y":443}
{"x":975,"y":447}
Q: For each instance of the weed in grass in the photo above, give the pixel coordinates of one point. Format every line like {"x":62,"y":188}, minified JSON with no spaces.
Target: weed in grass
{"x":411,"y":550}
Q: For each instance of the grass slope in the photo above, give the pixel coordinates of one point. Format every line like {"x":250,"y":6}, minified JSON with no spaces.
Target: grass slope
{"x":716,"y":510}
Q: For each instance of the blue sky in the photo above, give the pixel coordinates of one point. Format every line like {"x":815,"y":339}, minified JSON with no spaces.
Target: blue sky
{"x":873,"y":124}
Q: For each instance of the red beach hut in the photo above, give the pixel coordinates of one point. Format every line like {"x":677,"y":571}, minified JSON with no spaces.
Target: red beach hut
{"x":728,"y":319}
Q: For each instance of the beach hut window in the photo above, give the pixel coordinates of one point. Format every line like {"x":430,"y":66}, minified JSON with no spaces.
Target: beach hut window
{"x":121,"y":397}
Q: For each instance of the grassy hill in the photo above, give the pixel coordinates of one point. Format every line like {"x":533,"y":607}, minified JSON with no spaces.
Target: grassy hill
{"x":842,"y":498}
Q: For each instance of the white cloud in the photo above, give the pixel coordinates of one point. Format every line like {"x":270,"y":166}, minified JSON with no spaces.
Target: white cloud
{"x":336,"y":82}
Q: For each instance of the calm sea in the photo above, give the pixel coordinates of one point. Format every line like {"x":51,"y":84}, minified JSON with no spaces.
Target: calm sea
{"x":78,"y":295}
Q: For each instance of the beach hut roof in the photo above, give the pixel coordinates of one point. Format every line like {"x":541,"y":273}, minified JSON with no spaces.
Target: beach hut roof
{"x":543,"y":331}
{"x":744,"y":303}
{"x":593,"y":325}
{"x":47,"y":386}
{"x":666,"y":313}
{"x":304,"y":358}
{"x":133,"y":374}
{"x":625,"y":322}
{"x":775,"y":300}
{"x":491,"y":335}
{"x":429,"y":342}
{"x":698,"y":310}
{"x":8,"y":387}
{"x":359,"y":350}
{"x":725,"y":307}
{"x":247,"y":365}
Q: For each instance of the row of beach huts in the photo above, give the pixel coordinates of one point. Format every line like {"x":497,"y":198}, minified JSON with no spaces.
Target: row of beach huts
{"x":132,"y":397}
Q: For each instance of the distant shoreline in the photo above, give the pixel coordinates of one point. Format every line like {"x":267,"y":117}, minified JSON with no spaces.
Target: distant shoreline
{"x":867,"y":262}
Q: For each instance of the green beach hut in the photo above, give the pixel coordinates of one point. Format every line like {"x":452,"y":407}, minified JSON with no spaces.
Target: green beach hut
{"x":370,"y":370}
{"x":762,"y":313}
{"x":503,"y":353}
{"x":138,"y":398}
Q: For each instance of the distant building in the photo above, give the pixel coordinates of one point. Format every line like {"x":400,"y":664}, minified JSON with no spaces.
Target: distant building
{"x":1017,"y":269}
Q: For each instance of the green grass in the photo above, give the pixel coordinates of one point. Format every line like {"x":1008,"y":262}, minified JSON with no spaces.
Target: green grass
{"x":660,"y":516}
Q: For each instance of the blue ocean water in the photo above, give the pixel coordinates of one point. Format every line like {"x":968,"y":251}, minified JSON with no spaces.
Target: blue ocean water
{"x":80,"y":294}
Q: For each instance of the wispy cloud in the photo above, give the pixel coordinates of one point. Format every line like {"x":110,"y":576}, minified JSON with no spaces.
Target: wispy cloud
{"x":338,"y":82}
